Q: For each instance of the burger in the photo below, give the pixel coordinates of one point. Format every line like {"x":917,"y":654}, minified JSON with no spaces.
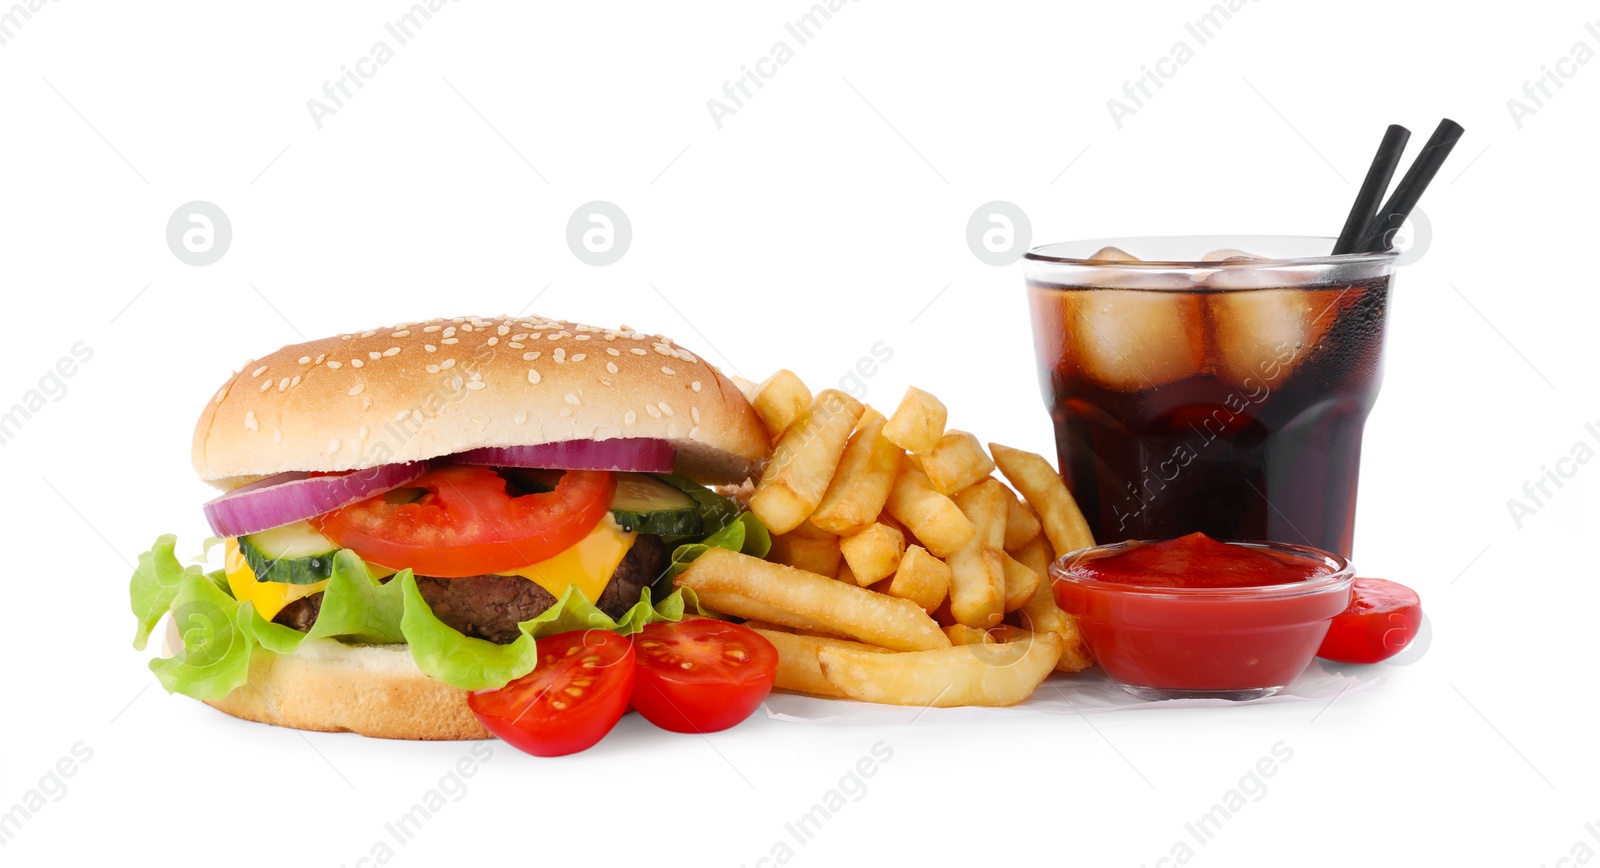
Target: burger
{"x":408,"y":509}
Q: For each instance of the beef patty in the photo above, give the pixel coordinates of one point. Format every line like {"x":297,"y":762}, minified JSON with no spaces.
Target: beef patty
{"x":490,"y":606}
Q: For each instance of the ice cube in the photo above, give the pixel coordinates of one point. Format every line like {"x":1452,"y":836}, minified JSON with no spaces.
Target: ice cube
{"x":1128,"y":340}
{"x":1262,"y":335}
{"x":1112,"y":254}
{"x":1228,"y":254}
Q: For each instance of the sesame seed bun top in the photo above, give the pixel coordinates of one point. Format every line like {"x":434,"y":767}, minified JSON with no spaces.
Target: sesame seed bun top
{"x":422,"y":390}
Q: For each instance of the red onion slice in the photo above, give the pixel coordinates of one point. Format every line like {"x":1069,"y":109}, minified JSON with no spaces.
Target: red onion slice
{"x":291,"y":497}
{"x":637,"y":454}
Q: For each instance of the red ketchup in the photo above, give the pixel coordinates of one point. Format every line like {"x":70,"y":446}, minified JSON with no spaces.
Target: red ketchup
{"x":1196,"y":617}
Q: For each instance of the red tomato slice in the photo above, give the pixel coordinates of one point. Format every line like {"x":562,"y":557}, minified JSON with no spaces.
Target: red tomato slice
{"x":701,"y":675}
{"x":1382,"y":619}
{"x":574,"y":696}
{"x":466,"y":524}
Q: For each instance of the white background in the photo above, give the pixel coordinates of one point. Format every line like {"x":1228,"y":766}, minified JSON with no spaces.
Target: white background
{"x":821,"y":218}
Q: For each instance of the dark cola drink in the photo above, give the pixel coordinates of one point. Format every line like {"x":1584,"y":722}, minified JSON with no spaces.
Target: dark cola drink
{"x":1217,"y":391}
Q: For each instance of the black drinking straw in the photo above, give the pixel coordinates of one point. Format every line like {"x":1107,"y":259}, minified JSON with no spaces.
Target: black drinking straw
{"x":1373,"y":186}
{"x":1394,"y":212}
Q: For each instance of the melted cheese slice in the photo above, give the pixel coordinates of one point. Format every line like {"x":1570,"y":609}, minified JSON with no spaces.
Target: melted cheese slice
{"x":587,"y":566}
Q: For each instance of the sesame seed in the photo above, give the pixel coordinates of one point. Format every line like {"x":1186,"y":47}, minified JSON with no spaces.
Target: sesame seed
{"x":374,"y":356}
{"x":477,"y":384}
{"x":333,"y":446}
{"x":259,"y":371}
{"x":474,"y":375}
{"x":450,"y":341}
{"x":391,"y":351}
{"x":369,"y":333}
{"x":250,"y":421}
{"x":503,"y":330}
{"x":605,"y":381}
{"x":521,"y":417}
{"x":336,"y":365}
{"x":630,"y":417}
{"x":362,"y":432}
{"x":432,"y":369}
{"x":654,"y":413}
{"x":320,"y":357}
{"x":528,"y":357}
{"x":455,"y":384}
{"x":571,"y":398}
{"x":664,"y":408}
{"x":277,"y":435}
{"x":447,"y":364}
{"x":294,"y":382}
{"x":492,"y":341}
{"x":356,"y":363}
{"x":581,"y":338}
{"x":638,"y":352}
{"x":560,"y":355}
{"x":565,"y":412}
{"x":305,"y":360}
{"x":520,"y":336}
{"x":613,"y":351}
{"x":416,"y":416}
{"x":222,"y":393}
{"x":694,"y":415}
{"x":516,"y":345}
{"x":611,"y":367}
{"x":401,"y":416}
{"x":430,"y":348}
{"x":695,"y":385}
{"x":664,"y":351}
{"x":283,"y":384}
{"x":466,"y":327}
{"x":265,"y":385}
{"x":533,"y":376}
{"x":553,"y":336}
{"x":449,"y":331}
{"x":668,"y":371}
{"x":403,"y":333}
{"x":366,"y":402}
{"x":431,"y":329}
{"x":356,"y":390}
{"x":578,"y":357}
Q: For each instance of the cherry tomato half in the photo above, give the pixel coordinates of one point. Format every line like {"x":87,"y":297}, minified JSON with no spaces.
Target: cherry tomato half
{"x":1382,"y":619}
{"x":701,"y":675}
{"x":464,"y":523}
{"x":574,"y":696}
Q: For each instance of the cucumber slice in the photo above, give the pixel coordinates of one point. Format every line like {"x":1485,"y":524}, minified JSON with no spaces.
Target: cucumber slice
{"x":648,"y":505}
{"x":294,"y":554}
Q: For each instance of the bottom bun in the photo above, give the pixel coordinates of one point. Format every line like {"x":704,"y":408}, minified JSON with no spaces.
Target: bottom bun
{"x":372,"y":690}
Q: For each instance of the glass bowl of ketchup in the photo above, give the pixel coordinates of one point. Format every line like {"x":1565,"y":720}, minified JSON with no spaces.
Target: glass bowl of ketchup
{"x":1193,"y":617}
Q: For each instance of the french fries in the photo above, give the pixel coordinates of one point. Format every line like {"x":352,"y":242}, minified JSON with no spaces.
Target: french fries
{"x":977,"y":569}
{"x":932,"y":518}
{"x":957,"y":461}
{"x":921,"y":578}
{"x":918,"y":423}
{"x":781,"y":400}
{"x":1022,"y":526}
{"x":798,"y":668}
{"x":725,"y":581}
{"x":1047,"y":494}
{"x":861,"y":483}
{"x":804,"y":460}
{"x":873,"y":553}
{"x":1021,"y":581}
{"x":984,"y":674}
{"x":902,"y":569}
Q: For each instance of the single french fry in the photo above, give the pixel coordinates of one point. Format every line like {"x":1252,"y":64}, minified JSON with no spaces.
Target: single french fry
{"x":1022,"y":526}
{"x":977,"y":569}
{"x":1047,"y":494}
{"x":957,"y":461}
{"x":999,"y":674}
{"x":798,"y":668}
{"x":932,"y":518}
{"x":1036,"y":555}
{"x":740,"y":606}
{"x":918,"y":423}
{"x":873,"y":553}
{"x":1041,"y":615}
{"x":803,"y":462}
{"x":725,"y":579}
{"x":1008,"y":633}
{"x":1021,"y":582}
{"x":780,"y":400}
{"x":921,"y":578}
{"x":861,"y":483}
{"x":813,"y":554}
{"x":961,"y":634}
{"x":844,"y":574}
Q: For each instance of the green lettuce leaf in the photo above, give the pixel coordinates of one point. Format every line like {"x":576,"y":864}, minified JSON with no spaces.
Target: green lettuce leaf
{"x":745,"y":534}
{"x":357,"y":607}
{"x":217,"y":641}
{"x":154,"y":585}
